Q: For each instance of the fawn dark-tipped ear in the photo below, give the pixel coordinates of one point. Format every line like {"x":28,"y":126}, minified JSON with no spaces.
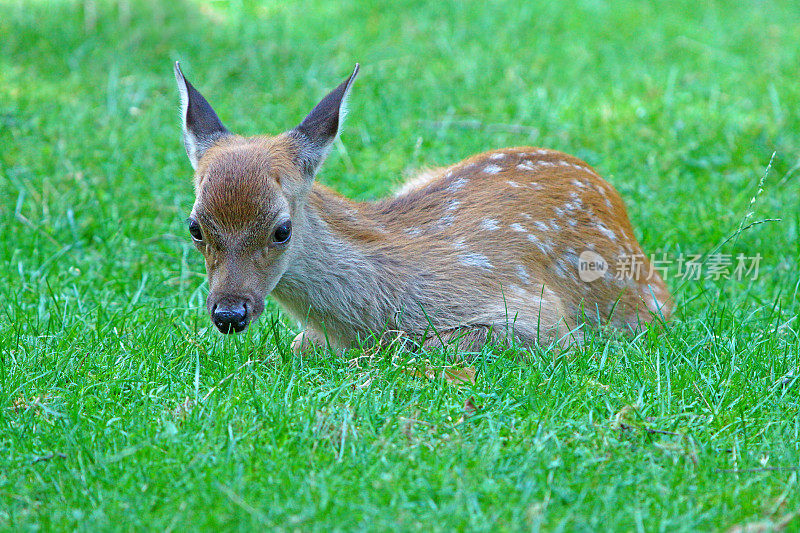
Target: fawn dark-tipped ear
{"x":201,"y":125}
{"x":319,"y":129}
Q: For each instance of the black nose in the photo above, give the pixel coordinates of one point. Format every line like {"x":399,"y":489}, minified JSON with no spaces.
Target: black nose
{"x":230,"y":317}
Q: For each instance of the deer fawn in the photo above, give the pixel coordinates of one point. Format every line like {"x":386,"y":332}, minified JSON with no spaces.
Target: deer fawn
{"x":518,"y":245}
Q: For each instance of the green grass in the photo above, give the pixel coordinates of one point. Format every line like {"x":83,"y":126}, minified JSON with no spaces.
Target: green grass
{"x":122,"y":408}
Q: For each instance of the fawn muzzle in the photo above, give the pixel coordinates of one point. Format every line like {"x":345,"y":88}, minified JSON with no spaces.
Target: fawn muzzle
{"x":238,"y":286}
{"x":231,"y":314}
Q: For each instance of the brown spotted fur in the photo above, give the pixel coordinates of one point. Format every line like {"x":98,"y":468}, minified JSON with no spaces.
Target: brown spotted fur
{"x":412,"y":244}
{"x":483,"y":250}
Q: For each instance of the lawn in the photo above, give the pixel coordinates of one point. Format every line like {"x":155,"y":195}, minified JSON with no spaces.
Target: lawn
{"x":121,"y":407}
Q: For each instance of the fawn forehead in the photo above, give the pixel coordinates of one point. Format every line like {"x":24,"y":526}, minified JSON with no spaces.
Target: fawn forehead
{"x":243,"y":182}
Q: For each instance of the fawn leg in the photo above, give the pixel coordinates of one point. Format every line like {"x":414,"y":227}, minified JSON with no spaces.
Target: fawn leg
{"x":304,"y":343}
{"x":468,"y":339}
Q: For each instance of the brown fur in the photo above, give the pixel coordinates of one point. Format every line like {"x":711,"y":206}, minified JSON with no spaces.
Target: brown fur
{"x":486,"y":250}
{"x":411,"y":237}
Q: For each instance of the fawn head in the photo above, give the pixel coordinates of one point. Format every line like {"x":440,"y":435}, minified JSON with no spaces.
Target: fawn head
{"x":250,"y":193}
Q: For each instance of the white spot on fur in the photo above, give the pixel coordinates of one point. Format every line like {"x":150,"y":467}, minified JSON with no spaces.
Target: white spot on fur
{"x":497,"y":156}
{"x":459,"y":244}
{"x":473,"y":259}
{"x":492,"y":169}
{"x":523,"y":275}
{"x":457,"y":184}
{"x":579,"y":184}
{"x":517,"y":291}
{"x":554,"y":225}
{"x":514,"y":184}
{"x":572,"y":222}
{"x":525,"y":166}
{"x":489,"y":224}
{"x":571,"y":258}
{"x":517,"y":227}
{"x":447,"y":220}
{"x":541,"y":225}
{"x":602,"y":228}
{"x":654,"y":304}
{"x":452,"y":205}
{"x":417,"y":182}
{"x":561,"y":268}
{"x":576,"y":201}
{"x":526,"y":216}
{"x":412,"y":231}
{"x":583,"y":169}
{"x":543,"y":247}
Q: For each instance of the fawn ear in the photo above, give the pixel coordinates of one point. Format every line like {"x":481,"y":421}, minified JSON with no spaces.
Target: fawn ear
{"x":319,"y":129}
{"x":201,"y":125}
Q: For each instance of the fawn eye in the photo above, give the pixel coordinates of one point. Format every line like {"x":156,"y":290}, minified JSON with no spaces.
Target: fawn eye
{"x":282,"y":233}
{"x":195,"y":231}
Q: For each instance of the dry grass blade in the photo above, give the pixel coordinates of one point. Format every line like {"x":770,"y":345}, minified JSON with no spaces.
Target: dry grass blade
{"x":37,"y":403}
{"x":390,"y":341}
{"x":618,"y":420}
{"x":460,"y":376}
{"x":183,"y":409}
{"x":766,"y":525}
{"x":454,"y":375}
{"x":49,"y":456}
{"x":469,"y":409}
